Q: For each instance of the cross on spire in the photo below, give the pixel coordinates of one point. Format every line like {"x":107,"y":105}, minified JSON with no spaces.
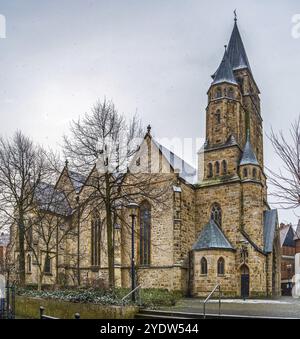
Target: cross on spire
{"x":235,"y":15}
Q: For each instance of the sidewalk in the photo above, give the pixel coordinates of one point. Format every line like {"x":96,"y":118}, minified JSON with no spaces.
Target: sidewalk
{"x":285,"y":307}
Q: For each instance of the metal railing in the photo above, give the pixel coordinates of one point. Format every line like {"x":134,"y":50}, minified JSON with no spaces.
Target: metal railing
{"x":138,"y":288}
{"x":44,"y":316}
{"x":217,"y":287}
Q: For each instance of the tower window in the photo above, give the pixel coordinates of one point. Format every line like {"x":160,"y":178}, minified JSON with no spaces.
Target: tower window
{"x":218,"y":117}
{"x":221,"y":266}
{"x":217,"y":167}
{"x":231,"y":93}
{"x":254,"y":173}
{"x":216,"y":214}
{"x":145,"y":232}
{"x":224,"y":167}
{"x":203,"y":264}
{"x":245,"y":173}
{"x":210,"y":170}
{"x":219,"y":92}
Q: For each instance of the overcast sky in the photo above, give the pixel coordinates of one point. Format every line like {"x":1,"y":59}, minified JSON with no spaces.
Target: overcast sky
{"x":154,"y":57}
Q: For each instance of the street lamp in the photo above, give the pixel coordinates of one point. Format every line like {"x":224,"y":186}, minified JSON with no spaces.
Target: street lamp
{"x":133,"y":207}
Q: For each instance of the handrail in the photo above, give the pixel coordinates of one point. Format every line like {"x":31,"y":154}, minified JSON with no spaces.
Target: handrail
{"x":130,"y":293}
{"x":217,"y":287}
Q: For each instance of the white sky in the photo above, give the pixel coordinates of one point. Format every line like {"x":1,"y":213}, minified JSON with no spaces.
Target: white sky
{"x":154,"y":57}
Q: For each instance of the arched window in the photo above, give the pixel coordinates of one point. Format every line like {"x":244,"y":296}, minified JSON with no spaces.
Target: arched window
{"x":29,"y":263}
{"x":224,"y":167}
{"x":47,"y":267}
{"x":203,"y":264}
{"x":216,"y":214}
{"x":210,"y":170}
{"x":254,"y":173}
{"x":217,"y":168}
{"x":218,"y":117}
{"x":145,"y":232}
{"x":219,"y":92}
{"x":221,"y":266}
{"x":245,"y":173}
{"x":95,"y":240}
{"x":231,"y":93}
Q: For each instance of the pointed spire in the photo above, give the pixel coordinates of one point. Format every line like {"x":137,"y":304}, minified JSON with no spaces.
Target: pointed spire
{"x":224,"y":73}
{"x":236,"y":50}
{"x":249,"y":157}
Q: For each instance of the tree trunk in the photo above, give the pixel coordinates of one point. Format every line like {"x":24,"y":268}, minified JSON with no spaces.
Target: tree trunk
{"x":21,"y":252}
{"x":40,"y":281}
{"x":110,"y":245}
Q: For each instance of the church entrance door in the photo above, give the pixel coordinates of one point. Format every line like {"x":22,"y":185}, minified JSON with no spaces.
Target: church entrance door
{"x":245,"y":279}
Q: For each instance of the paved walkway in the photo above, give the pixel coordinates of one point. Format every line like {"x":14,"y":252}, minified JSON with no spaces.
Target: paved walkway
{"x":285,"y":307}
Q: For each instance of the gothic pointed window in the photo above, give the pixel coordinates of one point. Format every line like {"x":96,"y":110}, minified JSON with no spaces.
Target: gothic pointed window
{"x":245,"y":173}
{"x":95,"y":240}
{"x":231,"y":93}
{"x":254,"y":173}
{"x":217,"y":168}
{"x":145,"y":232}
{"x":224,"y":167}
{"x":216,"y":214}
{"x":47,"y":265}
{"x":210,"y":170}
{"x":28,"y":263}
{"x":221,"y":266}
{"x":218,"y":117}
{"x":203,"y":264}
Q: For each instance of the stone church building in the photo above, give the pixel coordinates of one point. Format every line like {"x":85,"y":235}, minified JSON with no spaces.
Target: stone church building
{"x":218,"y":227}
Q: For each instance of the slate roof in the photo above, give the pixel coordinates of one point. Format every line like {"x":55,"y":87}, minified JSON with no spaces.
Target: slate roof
{"x":248,"y":157}
{"x":186,"y":171}
{"x":212,"y":237}
{"x":224,"y":73}
{"x":77,"y":180}
{"x":297,"y":233}
{"x":50,"y":199}
{"x":270,"y":223}
{"x":236,"y":51}
{"x":287,"y":236}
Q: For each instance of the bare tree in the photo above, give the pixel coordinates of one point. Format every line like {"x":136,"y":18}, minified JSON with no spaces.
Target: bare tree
{"x":47,"y":229}
{"x":286,"y":181}
{"x":103,"y":143}
{"x":23,"y":165}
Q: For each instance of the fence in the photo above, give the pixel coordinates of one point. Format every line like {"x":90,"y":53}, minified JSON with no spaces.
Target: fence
{"x":7,"y":300}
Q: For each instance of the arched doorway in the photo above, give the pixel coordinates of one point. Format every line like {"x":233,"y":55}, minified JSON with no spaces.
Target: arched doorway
{"x":245,"y":281}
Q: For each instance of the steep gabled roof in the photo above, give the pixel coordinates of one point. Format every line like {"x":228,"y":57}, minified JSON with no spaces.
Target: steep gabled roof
{"x":212,"y":237}
{"x":248,"y":157}
{"x":224,"y":73}
{"x":236,"y":51}
{"x":186,"y":171}
{"x":287,"y":236}
{"x":270,"y":223}
{"x":48,"y":198}
{"x":77,"y":179}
